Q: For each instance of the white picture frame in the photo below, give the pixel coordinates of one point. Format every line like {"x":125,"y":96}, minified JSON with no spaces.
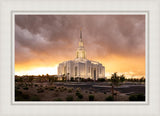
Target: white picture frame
{"x":151,"y":106}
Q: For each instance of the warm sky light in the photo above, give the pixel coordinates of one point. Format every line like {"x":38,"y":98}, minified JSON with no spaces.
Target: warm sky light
{"x":44,"y":41}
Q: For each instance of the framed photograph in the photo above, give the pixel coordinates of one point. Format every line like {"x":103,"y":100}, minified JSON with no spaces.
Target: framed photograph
{"x":79,"y":58}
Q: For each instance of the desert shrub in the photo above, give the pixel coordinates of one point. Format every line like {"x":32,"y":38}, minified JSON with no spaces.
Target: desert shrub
{"x":137,"y":97}
{"x":69,"y":98}
{"x":34,"y":98}
{"x":25,"y":88}
{"x":78,"y":89}
{"x":19,"y":96}
{"x":140,"y":97}
{"x":65,"y":88}
{"x":61,"y":90}
{"x":91,"y":97}
{"x":104,"y":92}
{"x":51,"y":88}
{"x":132,"y":98}
{"x":40,"y":90}
{"x":109,"y":98}
{"x":17,"y":92}
{"x":36,"y":85}
{"x":69,"y":90}
{"x":77,"y":93}
{"x":80,"y":96}
{"x":57,"y":90}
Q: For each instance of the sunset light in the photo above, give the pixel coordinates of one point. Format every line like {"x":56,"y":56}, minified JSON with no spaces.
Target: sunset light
{"x":41,"y":42}
{"x":39,"y":71}
{"x":80,"y":58}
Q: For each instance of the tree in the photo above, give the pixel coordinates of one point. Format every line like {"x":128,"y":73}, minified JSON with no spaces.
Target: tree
{"x":64,"y":77}
{"x":142,"y":79}
{"x":115,"y":79}
{"x":72,"y":79}
{"x":122,"y":78}
{"x":67,"y":76}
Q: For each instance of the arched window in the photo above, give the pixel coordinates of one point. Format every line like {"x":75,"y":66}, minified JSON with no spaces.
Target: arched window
{"x":89,"y":69}
{"x":75,"y":71}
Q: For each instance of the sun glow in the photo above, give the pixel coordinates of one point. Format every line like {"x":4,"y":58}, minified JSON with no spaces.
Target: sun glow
{"x":39,"y":71}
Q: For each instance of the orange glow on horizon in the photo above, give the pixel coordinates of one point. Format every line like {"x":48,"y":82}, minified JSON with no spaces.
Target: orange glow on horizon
{"x":39,"y":71}
{"x":131,"y":67}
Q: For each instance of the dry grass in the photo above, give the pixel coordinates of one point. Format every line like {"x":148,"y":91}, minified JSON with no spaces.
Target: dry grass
{"x":60,"y":93}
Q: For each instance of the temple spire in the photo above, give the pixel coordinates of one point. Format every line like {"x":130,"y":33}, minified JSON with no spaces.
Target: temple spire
{"x":81,"y":34}
{"x":81,"y":53}
{"x":81,"y":42}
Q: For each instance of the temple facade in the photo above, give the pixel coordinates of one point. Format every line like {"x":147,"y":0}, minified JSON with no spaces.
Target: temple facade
{"x":81,"y":67}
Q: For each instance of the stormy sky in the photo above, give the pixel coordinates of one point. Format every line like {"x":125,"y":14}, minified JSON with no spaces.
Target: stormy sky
{"x":117,"y":41}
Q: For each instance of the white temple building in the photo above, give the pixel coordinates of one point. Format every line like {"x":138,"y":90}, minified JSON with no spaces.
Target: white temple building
{"x":81,"y":66}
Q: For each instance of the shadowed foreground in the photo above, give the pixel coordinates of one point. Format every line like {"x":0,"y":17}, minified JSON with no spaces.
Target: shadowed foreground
{"x":79,"y":91}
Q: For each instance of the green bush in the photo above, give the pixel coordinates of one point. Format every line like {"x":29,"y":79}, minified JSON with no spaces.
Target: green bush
{"x":57,"y":90}
{"x":40,"y":90}
{"x":25,"y":88}
{"x":79,"y":95}
{"x":69,"y":90}
{"x":69,"y":98}
{"x":91,"y":97}
{"x":65,"y":88}
{"x":51,"y":88}
{"x":109,"y":98}
{"x":17,"y":92}
{"x":137,"y":97}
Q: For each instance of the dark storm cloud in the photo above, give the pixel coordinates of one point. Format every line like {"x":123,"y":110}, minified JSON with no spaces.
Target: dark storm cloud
{"x":57,"y":36}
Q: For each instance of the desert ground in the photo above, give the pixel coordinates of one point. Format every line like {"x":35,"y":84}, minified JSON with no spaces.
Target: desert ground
{"x":78,"y":91}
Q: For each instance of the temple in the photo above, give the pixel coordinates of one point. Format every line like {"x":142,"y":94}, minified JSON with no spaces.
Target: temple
{"x":81,"y":67}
